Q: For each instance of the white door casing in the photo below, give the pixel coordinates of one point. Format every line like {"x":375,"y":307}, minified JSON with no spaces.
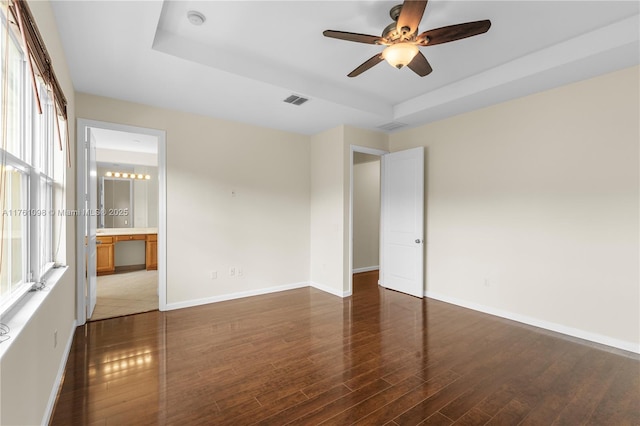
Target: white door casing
{"x":402,"y":263}
{"x":90,"y":213}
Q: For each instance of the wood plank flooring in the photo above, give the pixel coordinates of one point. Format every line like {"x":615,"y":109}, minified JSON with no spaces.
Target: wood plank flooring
{"x":304,"y":357}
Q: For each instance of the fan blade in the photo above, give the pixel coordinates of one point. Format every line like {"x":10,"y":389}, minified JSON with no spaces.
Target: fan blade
{"x":453,"y":32}
{"x":374,"y":60}
{"x":420,"y":65}
{"x":410,"y":16}
{"x":359,"y":38}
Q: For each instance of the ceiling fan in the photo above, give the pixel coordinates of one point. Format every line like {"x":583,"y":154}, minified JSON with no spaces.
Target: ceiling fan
{"x":402,"y":39}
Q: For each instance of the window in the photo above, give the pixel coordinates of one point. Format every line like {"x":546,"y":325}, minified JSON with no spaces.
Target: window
{"x":30,"y":164}
{"x":13,"y":269}
{"x":43,"y":150}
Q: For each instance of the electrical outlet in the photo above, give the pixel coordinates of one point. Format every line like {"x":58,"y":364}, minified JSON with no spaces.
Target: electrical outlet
{"x":232,"y":272}
{"x":214,"y":275}
{"x":240,"y":271}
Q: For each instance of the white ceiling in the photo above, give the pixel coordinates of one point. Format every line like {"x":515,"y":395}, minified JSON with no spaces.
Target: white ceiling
{"x":124,"y":141}
{"x":250,"y":55}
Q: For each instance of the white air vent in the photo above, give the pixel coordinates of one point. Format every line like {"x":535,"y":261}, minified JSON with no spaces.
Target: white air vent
{"x":391,"y":126}
{"x":296,"y":100}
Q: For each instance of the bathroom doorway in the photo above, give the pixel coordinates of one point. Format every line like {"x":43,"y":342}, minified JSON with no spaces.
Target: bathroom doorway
{"x":128,"y":229}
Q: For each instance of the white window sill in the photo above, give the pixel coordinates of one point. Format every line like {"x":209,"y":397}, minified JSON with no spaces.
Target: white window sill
{"x":18,"y":317}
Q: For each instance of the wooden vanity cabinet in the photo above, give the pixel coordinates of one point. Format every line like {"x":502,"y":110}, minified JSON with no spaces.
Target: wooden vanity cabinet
{"x":105,"y":260}
{"x":152,"y":252}
{"x":105,"y":251}
{"x":134,"y":237}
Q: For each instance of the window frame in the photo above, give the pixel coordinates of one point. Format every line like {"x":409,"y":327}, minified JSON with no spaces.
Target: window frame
{"x":43,"y":159}
{"x":19,"y":289}
{"x":36,"y":160}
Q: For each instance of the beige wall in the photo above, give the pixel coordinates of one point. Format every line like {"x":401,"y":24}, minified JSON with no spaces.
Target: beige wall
{"x":327,"y":205}
{"x":532,"y":208}
{"x":330,"y":201}
{"x":145,"y":198}
{"x":366,"y":211}
{"x":30,"y":366}
{"x":237,"y":196}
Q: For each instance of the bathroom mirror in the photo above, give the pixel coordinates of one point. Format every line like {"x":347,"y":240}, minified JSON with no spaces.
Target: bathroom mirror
{"x":116,"y":203}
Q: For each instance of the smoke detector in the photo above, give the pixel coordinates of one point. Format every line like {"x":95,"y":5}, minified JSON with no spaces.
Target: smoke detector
{"x":195,"y":17}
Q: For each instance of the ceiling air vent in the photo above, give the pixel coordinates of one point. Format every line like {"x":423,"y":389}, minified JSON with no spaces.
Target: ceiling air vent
{"x":391,"y":126}
{"x":296,"y":100}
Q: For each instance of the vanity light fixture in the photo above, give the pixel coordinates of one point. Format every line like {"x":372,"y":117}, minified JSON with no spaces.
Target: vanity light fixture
{"x":127,"y":175}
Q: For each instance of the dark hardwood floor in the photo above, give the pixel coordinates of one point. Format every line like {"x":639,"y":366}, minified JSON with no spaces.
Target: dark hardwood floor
{"x":306,"y":357}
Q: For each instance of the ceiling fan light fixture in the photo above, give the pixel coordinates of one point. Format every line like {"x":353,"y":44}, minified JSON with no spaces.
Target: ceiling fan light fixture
{"x":400,"y":54}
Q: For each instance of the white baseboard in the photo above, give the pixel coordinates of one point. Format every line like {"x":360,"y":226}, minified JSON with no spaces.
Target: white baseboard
{"x":58,"y":381}
{"x":330,"y":290}
{"x":366,"y":269}
{"x":547,"y":325}
{"x":232,"y":296}
{"x":268,"y":290}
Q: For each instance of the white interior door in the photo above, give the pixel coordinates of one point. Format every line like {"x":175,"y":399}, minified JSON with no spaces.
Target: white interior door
{"x":403,"y":221}
{"x":91,"y":206}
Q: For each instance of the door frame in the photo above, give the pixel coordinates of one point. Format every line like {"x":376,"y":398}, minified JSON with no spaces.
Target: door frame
{"x":371,"y":151}
{"x":82,"y":125}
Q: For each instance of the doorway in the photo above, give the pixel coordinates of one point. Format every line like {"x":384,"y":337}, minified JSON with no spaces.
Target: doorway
{"x":401,"y":218}
{"x":366,"y":219}
{"x":364,"y":212}
{"x":134,"y":157}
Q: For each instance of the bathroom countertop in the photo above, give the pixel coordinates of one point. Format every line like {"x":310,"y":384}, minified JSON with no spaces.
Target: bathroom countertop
{"x":125,"y":231}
